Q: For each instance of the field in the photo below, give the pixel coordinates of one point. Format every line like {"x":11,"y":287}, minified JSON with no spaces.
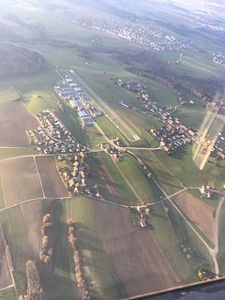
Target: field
{"x":8,"y":94}
{"x":51,"y":181}
{"x":14,"y":121}
{"x":100,"y":270}
{"x":171,"y":236}
{"x":21,"y":174}
{"x":192,"y":177}
{"x":5,"y":276}
{"x":112,"y":185}
{"x":191,"y":207}
{"x":119,"y":258}
{"x":137,"y":260}
{"x":21,"y":227}
{"x":15,"y":152}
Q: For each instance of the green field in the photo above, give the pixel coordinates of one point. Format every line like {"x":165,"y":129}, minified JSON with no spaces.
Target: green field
{"x":182,"y":166}
{"x":170,"y":237}
{"x":8,"y":94}
{"x":118,"y":181}
{"x":8,"y":294}
{"x":143,"y":187}
{"x":101,"y":270}
{"x":60,"y":281}
{"x":221,"y":254}
{"x":191,"y":117}
{"x":14,"y":152}
{"x":98,"y":60}
{"x":168,"y":181}
{"x":200,"y":257}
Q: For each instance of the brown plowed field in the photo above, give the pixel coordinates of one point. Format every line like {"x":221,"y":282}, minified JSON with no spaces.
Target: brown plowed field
{"x":5,"y":278}
{"x":14,"y":121}
{"x":20,"y":180}
{"x":137,"y":260}
{"x":198,"y":212}
{"x":52,"y":183}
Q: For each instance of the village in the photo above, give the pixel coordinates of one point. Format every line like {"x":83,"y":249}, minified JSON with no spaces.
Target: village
{"x":173,"y":134}
{"x":218,"y":58}
{"x":52,"y":137}
{"x":74,"y":171}
{"x":138,"y":34}
{"x":68,"y":90}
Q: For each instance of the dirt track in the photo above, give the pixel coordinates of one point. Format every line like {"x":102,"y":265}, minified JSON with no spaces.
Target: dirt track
{"x":52,"y":183}
{"x":14,"y":121}
{"x":20,"y":180}
{"x":198,"y":212}
{"x":136,"y":258}
{"x":5,"y":278}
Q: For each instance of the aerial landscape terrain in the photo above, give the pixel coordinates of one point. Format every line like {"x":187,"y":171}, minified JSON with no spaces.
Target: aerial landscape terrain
{"x":112,"y":147}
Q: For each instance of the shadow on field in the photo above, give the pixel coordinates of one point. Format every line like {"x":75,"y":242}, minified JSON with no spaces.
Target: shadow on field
{"x":179,"y":154}
{"x":57,"y":278}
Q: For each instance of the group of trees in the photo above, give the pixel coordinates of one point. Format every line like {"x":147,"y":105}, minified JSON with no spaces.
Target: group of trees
{"x":46,"y":249}
{"x":155,"y":68}
{"x":34,"y":289}
{"x":81,"y":283}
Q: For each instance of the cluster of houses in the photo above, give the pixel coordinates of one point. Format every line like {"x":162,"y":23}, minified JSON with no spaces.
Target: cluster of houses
{"x":118,"y":142}
{"x":137,"y":87}
{"x":218,"y":152}
{"x":70,"y":91}
{"x":206,"y":275}
{"x":207,"y":191}
{"x":173,"y":133}
{"x":111,"y":150}
{"x":143,"y":211}
{"x":218,"y":58}
{"x":139,"y":34}
{"x":74,"y":173}
{"x":212,"y":27}
{"x":51,"y":137}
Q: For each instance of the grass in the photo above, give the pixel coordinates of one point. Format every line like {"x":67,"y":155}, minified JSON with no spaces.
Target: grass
{"x":2,"y":201}
{"x":198,"y":103}
{"x":163,"y":95}
{"x":191,"y":117}
{"x":36,"y":102}
{"x":61,"y":282}
{"x":221,"y":254}
{"x":168,"y":181}
{"x":181,"y":164}
{"x":108,"y":127}
{"x":117,"y":178}
{"x":133,"y":174}
{"x":95,"y":259}
{"x":71,"y":121}
{"x":8,"y":94}
{"x":196,"y":64}
{"x":14,"y":152}
{"x":200,"y":258}
{"x":16,"y":235}
{"x":170,"y":243}
{"x":8,"y":294}
{"x":94,"y":137}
